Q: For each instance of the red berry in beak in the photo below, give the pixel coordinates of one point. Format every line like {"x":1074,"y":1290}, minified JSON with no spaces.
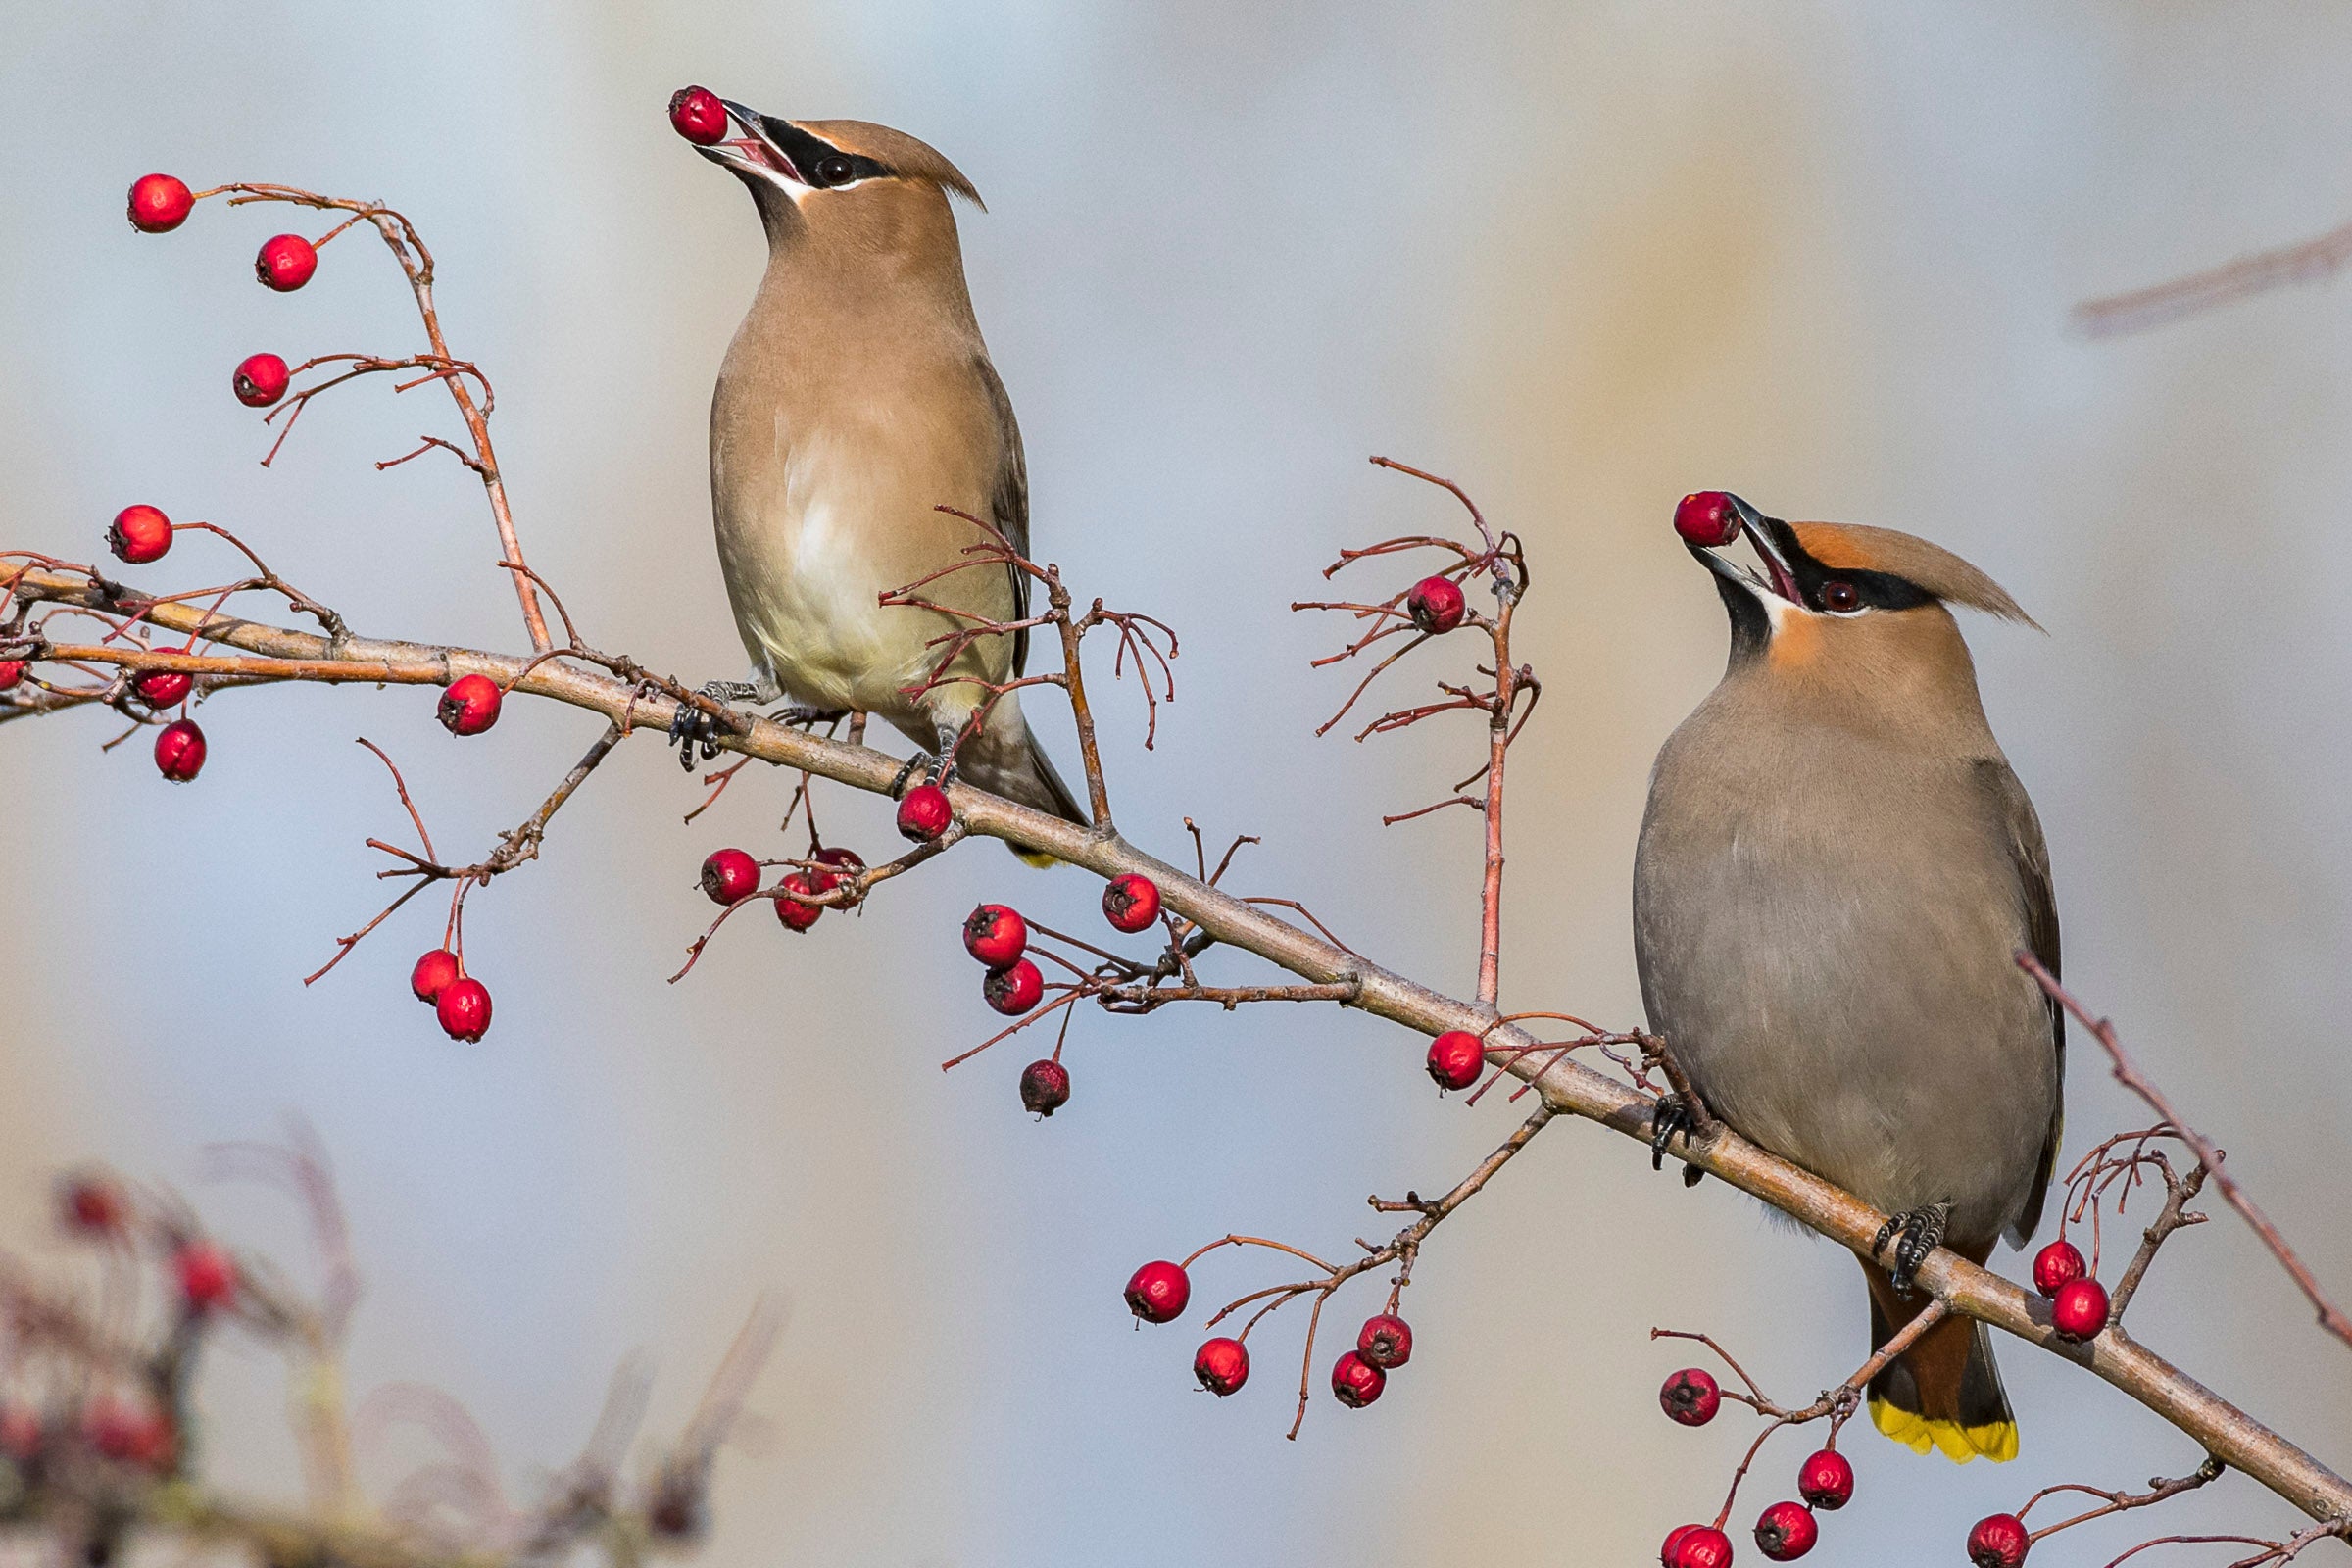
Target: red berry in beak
{"x":260,"y":381}
{"x":470,"y":705}
{"x":92,"y":1205}
{"x":160,"y":687}
{"x":1386,"y":1342}
{"x":1045,"y":1087}
{"x":2080,"y":1309}
{"x":729,"y":875}
{"x":464,"y":1009}
{"x":139,"y":534}
{"x":12,"y":670}
{"x":1456,"y":1059}
{"x":208,"y":1276}
{"x":1014,"y":989}
{"x":1435,"y":605}
{"x":1825,"y":1479}
{"x":995,"y":935}
{"x":1697,"y":1546}
{"x":285,"y":263}
{"x":434,"y":972}
{"x":1356,"y":1381}
{"x":1999,"y":1542}
{"x":1131,"y":902}
{"x":696,"y":114}
{"x":158,"y":204}
{"x":795,"y":914}
{"x":1157,"y":1292}
{"x":924,"y":813}
{"x":180,"y":750}
{"x":2056,"y":1266}
{"x":1787,"y":1531}
{"x":1222,"y":1366}
{"x":1707,"y":519}
{"x":1690,"y":1397}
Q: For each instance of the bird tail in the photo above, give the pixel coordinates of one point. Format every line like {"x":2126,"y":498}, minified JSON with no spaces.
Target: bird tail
{"x":1005,"y":759}
{"x":1944,"y":1393}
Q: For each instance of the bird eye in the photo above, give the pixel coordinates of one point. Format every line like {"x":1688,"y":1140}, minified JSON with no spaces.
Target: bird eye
{"x":835,"y":170}
{"x":1841,"y":596}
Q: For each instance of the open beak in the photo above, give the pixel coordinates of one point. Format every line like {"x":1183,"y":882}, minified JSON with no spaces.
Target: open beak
{"x":751,"y":154}
{"x":1777,"y":580}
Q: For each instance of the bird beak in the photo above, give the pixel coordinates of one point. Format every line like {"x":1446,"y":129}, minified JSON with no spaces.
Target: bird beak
{"x":752,"y":155}
{"x":1757,"y":528}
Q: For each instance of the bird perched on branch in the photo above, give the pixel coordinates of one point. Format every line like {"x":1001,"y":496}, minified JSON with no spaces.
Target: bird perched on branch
{"x":1837,"y":870}
{"x":856,"y":400}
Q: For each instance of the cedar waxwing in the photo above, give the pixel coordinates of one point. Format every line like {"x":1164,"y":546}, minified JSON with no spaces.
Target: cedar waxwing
{"x":858,"y":398}
{"x":1836,"y":871}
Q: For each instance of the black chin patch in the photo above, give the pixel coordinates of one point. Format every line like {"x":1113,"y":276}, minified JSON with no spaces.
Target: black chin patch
{"x":1751,"y":626}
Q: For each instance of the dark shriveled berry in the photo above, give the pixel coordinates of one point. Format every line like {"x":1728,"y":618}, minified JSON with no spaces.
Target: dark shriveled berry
{"x":1045,"y":1087}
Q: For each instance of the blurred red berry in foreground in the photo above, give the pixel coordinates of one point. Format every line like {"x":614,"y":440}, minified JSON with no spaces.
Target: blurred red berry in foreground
{"x":1222,"y":1366}
{"x":1356,"y":1381}
{"x":260,"y":381}
{"x":1045,"y":1087}
{"x":158,"y":204}
{"x":995,"y":935}
{"x":1690,"y":1396}
{"x":12,"y":670}
{"x":139,"y":534}
{"x":208,"y":1276}
{"x":180,"y":750}
{"x":696,"y":114}
{"x":1131,"y":902}
{"x":1157,"y":1292}
{"x":464,"y":1009}
{"x":285,"y":261}
{"x":92,"y":1205}
{"x":133,"y":1433}
{"x":470,"y":705}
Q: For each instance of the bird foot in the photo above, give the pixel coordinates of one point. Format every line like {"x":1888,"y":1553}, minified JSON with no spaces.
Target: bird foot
{"x":801,"y":715}
{"x":1916,"y":1233}
{"x":935,"y":771}
{"x":690,"y":728}
{"x":1672,"y":1114}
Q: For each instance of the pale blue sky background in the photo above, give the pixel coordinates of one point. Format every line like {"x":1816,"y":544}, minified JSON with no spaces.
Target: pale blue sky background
{"x":1583,"y":257}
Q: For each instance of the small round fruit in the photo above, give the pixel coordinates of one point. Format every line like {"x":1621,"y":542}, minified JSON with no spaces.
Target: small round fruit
{"x":12,"y":671}
{"x":729,"y":875}
{"x":1690,"y":1396}
{"x":1045,"y":1087}
{"x":285,"y":261}
{"x":1707,"y":519}
{"x":1671,"y":1553}
{"x":1999,"y":1541}
{"x":1222,"y":1366}
{"x":1131,"y":902}
{"x":1014,"y":989}
{"x":1456,"y":1059}
{"x":2078,"y":1310}
{"x":139,"y":534}
{"x":996,"y":934}
{"x":131,"y":1434}
{"x":1157,"y":1292}
{"x":1384,"y":1340}
{"x":1786,"y":1530}
{"x":432,"y":975}
{"x":925,"y":812}
{"x":208,"y":1276}
{"x":1825,"y":1479}
{"x":19,"y":1432}
{"x":797,"y":915}
{"x":2057,"y":1265}
{"x":180,"y":750}
{"x":1703,"y":1547}
{"x":469,"y":706}
{"x":696,"y":114}
{"x":841,"y":859}
{"x":158,"y":204}
{"x":1356,"y":1381}
{"x":464,"y":1008}
{"x":260,"y":381}
{"x":1435,"y":605}
{"x":160,"y":687}
{"x":92,"y":1205}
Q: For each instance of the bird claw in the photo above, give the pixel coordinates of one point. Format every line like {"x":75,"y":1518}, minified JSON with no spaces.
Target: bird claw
{"x":1672,"y":1114}
{"x":690,"y":728}
{"x":801,"y":715}
{"x":1916,"y":1233}
{"x":935,"y":770}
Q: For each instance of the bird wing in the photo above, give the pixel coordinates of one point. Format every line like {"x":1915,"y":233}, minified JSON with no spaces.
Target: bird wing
{"x":1009,"y":502}
{"x":2029,"y":859}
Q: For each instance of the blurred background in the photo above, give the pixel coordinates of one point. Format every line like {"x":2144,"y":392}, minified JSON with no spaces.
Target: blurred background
{"x":1584,"y":258}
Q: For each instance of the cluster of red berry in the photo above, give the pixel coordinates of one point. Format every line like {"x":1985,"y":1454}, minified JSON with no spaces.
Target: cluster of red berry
{"x":730,"y":876}
{"x":998,"y":935}
{"x":1786,"y":1530}
{"x":160,"y":204}
{"x":1159,"y":1292}
{"x":2077,"y":1301}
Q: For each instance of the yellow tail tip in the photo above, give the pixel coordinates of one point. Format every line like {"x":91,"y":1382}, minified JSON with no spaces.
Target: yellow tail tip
{"x":1995,"y":1441}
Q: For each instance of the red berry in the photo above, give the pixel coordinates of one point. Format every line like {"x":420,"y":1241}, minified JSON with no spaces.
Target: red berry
{"x":12,"y":670}
{"x":138,"y":535}
{"x":1456,"y":1059}
{"x":995,"y":935}
{"x":1825,"y":1479}
{"x":1014,"y":989}
{"x":1157,"y":1292}
{"x":1356,"y":1381}
{"x":469,"y":706}
{"x":845,"y":860}
{"x":925,"y":812}
{"x":1787,"y":1531}
{"x":1670,"y":1553}
{"x":1222,"y":1366}
{"x":1386,"y":1341}
{"x":1999,"y":1541}
{"x":464,"y":1008}
{"x":180,"y":750}
{"x":1690,"y":1396}
{"x":260,"y":381}
{"x":696,"y":114}
{"x":1131,"y":902}
{"x":285,"y":263}
{"x":208,"y":1276}
{"x":729,"y":875}
{"x":2080,"y":1309}
{"x":134,"y":1433}
{"x":160,"y":687}
{"x":92,"y":1205}
{"x":1045,"y":1087}
{"x":1707,"y":519}
{"x":158,"y":204}
{"x":1435,"y":605}
{"x":19,"y":1432}
{"x":2056,"y":1265}
{"x":434,"y":972}
{"x":1700,"y":1546}
{"x":797,"y":915}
